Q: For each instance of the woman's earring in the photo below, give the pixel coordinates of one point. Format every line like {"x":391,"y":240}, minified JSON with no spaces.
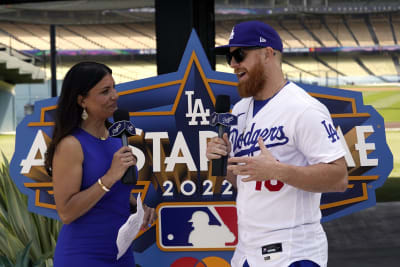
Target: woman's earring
{"x":84,"y":115}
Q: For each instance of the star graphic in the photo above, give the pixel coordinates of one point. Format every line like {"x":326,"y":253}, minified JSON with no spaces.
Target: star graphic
{"x":168,"y":103}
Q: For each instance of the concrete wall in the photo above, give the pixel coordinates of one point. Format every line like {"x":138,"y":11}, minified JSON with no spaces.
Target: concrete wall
{"x":7,"y":108}
{"x":26,"y":94}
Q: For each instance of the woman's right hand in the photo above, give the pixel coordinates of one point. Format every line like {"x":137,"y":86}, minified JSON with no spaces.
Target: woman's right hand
{"x":122,"y":160}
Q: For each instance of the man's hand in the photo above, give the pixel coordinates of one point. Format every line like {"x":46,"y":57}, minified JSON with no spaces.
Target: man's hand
{"x":258,"y":168}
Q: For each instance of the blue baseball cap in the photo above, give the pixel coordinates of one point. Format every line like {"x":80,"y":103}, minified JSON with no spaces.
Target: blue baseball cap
{"x":251,"y":33}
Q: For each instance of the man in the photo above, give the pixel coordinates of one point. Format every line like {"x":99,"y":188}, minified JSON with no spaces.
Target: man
{"x":283,"y":153}
{"x":217,"y":235}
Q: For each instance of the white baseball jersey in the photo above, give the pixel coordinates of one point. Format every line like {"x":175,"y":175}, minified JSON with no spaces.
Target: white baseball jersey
{"x":278,"y":223}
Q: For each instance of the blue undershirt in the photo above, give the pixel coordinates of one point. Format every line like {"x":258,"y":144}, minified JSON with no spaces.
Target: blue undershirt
{"x":258,"y":104}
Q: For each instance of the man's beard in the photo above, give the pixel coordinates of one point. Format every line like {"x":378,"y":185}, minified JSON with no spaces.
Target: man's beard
{"x":254,"y":83}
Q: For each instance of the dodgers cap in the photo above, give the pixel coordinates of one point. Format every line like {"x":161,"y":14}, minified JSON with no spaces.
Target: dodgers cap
{"x":251,"y":33}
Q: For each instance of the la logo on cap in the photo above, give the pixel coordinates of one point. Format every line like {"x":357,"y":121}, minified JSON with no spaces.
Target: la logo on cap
{"x":262,"y":40}
{"x":232,"y":33}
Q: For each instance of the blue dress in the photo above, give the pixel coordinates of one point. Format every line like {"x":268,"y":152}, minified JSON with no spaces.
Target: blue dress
{"x":90,"y":240}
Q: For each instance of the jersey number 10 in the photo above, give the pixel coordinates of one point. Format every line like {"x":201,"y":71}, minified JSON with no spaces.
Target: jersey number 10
{"x":271,"y":185}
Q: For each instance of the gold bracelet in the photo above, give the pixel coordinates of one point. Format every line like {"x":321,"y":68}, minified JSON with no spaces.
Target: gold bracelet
{"x":105,"y":188}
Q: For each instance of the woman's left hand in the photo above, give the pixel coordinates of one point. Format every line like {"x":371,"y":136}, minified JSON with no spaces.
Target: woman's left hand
{"x":149,"y":218}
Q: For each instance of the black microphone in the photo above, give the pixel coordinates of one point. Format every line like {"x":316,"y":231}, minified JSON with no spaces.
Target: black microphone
{"x":123,"y":128}
{"x":222,"y":106}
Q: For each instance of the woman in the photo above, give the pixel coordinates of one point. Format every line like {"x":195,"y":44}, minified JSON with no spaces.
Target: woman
{"x":87,"y":165}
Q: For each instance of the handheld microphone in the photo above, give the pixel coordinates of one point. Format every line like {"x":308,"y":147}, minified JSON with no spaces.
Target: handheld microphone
{"x":222,"y":119}
{"x":123,"y":128}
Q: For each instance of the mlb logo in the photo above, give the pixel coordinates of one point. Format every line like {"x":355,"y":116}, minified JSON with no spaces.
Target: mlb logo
{"x":196,"y":226}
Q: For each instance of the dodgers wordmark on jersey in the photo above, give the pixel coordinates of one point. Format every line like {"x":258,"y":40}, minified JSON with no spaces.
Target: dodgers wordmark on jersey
{"x":280,"y":224}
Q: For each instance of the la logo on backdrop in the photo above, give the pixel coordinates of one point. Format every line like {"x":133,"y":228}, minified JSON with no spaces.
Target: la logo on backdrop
{"x":196,"y":212}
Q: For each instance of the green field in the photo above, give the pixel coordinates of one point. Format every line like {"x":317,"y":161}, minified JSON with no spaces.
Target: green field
{"x":7,"y":143}
{"x":387,"y":103}
{"x":393,"y":140}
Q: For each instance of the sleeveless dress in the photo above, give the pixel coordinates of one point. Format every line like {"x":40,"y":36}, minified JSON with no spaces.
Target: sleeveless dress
{"x":90,"y":240}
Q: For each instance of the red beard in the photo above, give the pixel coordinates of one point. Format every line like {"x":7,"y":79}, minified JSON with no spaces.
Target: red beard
{"x":254,"y":83}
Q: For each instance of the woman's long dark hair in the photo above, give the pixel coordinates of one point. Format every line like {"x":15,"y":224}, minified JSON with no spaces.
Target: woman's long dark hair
{"x":78,"y":81}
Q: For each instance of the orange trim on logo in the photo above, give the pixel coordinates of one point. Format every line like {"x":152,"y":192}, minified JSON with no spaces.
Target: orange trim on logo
{"x":361,"y":178}
{"x":348,"y":201}
{"x":42,"y":113}
{"x":41,"y":204}
{"x":350,"y":115}
{"x":356,"y":199}
{"x":145,"y":185}
{"x":29,"y":185}
{"x":37,"y":194}
{"x":203,"y":77}
{"x":222,"y":82}
{"x":155,"y":86}
{"x":193,"y":59}
{"x":341,"y":98}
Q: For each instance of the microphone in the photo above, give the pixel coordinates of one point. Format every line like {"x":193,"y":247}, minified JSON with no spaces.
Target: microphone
{"x":222,"y":119}
{"x":123,"y":128}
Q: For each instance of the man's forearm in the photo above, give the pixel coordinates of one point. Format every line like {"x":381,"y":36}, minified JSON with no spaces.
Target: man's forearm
{"x":323,"y":177}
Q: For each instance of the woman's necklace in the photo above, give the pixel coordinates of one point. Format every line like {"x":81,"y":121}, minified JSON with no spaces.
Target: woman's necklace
{"x":105,"y":136}
{"x":102,"y":137}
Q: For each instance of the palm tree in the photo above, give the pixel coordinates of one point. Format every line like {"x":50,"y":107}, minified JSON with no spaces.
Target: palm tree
{"x":26,"y":238}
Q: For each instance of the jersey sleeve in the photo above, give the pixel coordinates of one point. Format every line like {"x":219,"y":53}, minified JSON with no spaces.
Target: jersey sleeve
{"x":316,"y":136}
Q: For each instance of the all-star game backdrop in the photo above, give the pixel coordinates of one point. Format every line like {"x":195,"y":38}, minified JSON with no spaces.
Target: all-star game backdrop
{"x":196,"y":223}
